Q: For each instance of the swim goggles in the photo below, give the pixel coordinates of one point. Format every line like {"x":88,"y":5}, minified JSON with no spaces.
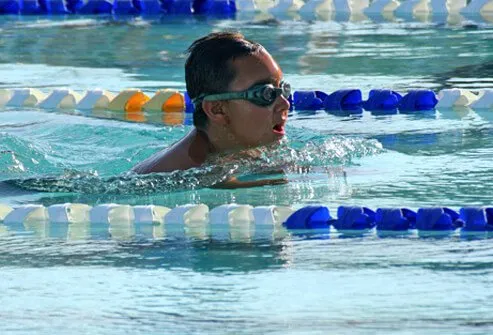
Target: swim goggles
{"x":261,"y":95}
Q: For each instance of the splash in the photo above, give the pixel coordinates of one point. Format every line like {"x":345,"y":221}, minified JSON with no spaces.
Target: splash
{"x":20,"y":157}
{"x":282,"y":158}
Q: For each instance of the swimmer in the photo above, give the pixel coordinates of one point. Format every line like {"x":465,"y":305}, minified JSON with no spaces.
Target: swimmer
{"x":241,"y":102}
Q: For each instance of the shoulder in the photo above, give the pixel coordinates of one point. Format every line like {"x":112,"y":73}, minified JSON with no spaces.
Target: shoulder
{"x":187,"y":153}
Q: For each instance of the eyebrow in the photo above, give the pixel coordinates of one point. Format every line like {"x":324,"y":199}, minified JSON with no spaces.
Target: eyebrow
{"x":271,"y":80}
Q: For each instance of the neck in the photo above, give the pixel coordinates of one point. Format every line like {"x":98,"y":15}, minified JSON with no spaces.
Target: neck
{"x":220,"y":139}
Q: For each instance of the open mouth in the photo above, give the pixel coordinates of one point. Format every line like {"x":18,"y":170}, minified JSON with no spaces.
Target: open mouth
{"x":278,"y":129}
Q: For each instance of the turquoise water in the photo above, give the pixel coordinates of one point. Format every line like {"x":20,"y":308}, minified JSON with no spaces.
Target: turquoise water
{"x":294,"y":284}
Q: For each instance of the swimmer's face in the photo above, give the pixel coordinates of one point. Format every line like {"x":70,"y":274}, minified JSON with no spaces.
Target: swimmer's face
{"x":249,"y":124}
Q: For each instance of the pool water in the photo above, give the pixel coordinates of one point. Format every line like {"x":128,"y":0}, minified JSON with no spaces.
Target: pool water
{"x":296,"y":284}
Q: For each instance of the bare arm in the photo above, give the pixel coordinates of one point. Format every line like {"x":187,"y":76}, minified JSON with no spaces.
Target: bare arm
{"x":235,"y":183}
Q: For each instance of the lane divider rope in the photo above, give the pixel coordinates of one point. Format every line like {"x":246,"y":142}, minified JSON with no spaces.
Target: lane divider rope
{"x":172,"y":101}
{"x":230,"y":7}
{"x":236,"y":216}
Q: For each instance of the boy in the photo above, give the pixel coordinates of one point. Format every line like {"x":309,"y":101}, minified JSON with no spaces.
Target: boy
{"x":240,"y":103}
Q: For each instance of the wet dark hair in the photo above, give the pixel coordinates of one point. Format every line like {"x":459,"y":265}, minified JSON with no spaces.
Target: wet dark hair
{"x":208,"y":68}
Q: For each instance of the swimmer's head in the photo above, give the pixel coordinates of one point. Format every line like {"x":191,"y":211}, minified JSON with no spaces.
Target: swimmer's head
{"x":238,"y":90}
{"x":209,"y":69}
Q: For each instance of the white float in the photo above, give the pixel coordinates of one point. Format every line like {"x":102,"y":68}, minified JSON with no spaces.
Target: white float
{"x":69,"y":213}
{"x":246,"y":5}
{"x":231,"y":213}
{"x":95,"y":99}
{"x":5,"y":96}
{"x":111,"y":213}
{"x":123,"y":222}
{"x":165,"y":101}
{"x":232,"y":222}
{"x":314,"y":6}
{"x":286,"y":6}
{"x":342,"y":6}
{"x":150,"y":214}
{"x":128,"y":100}
{"x":186,"y":214}
{"x":358,"y":5}
{"x":271,"y":215}
{"x":26,"y":213}
{"x":412,"y":7}
{"x":61,"y":98}
{"x":382,"y":6}
{"x":447,"y":6}
{"x":4,"y":210}
{"x":484,"y":101}
{"x":478,"y":6}
{"x":455,"y":97}
{"x":25,"y":97}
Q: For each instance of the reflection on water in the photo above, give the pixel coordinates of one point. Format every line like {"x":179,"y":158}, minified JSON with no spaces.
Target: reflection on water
{"x":247,"y":287}
{"x":154,"y":51}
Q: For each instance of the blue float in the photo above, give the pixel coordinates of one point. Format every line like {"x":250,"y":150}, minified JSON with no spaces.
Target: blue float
{"x":437,"y":219}
{"x":125,"y":7}
{"x":214,"y":7}
{"x":54,"y":6}
{"x":95,"y":7}
{"x":148,"y":6}
{"x":476,"y":218}
{"x":9,"y":7}
{"x":418,"y":100}
{"x":189,"y":106}
{"x":308,"y":100}
{"x":310,"y":217}
{"x":344,"y":100}
{"x":20,"y":7}
{"x":382,"y":100}
{"x":354,"y":218}
{"x":73,"y":5}
{"x":395,"y":219}
{"x":183,"y":7}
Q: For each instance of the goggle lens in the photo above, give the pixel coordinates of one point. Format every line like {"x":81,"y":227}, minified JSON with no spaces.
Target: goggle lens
{"x":267,"y":94}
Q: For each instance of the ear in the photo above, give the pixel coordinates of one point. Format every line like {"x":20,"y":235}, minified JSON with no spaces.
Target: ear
{"x":215,"y":111}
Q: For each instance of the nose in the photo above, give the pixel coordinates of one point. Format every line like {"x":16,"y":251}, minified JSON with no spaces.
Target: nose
{"x":282,"y":103}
